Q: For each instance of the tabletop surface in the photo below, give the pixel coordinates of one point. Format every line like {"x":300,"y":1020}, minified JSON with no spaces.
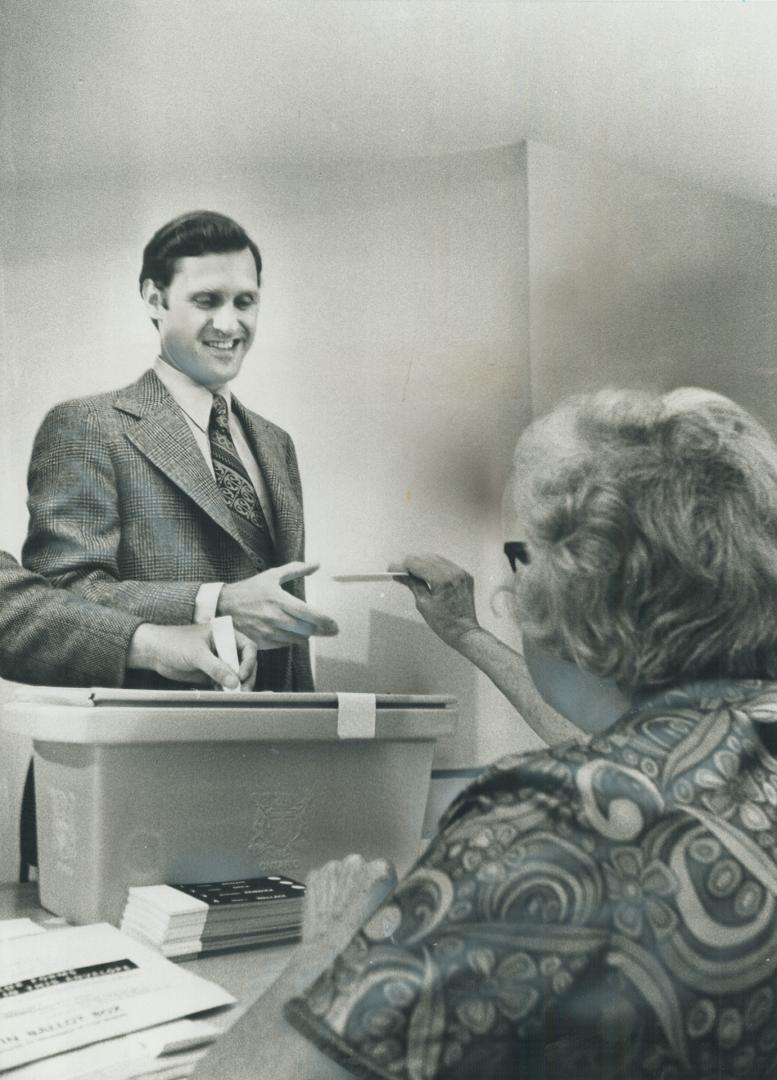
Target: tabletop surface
{"x":245,"y":973}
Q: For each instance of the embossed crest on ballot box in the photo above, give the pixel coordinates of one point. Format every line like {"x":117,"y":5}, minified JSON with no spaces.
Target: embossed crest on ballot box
{"x":146,"y":787}
{"x":280,"y":822}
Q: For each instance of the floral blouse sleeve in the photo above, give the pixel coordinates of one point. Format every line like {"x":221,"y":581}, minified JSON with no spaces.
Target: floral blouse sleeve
{"x":591,"y":911}
{"x":463,"y":967}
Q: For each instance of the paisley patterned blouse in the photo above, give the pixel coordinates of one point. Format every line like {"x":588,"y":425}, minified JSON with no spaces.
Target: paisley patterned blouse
{"x":595,"y":910}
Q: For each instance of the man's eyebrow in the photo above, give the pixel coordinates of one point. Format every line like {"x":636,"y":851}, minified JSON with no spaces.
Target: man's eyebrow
{"x":220,"y":292}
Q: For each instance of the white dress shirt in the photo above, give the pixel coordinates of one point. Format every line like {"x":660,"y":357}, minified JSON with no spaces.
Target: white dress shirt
{"x":195,"y":402}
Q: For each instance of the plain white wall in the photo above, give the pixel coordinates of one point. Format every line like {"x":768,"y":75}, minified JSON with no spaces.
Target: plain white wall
{"x":640,"y":281}
{"x":392,"y":344}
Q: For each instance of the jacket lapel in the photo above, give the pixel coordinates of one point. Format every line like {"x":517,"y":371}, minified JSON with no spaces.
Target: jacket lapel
{"x":163,"y":436}
{"x":270,"y":453}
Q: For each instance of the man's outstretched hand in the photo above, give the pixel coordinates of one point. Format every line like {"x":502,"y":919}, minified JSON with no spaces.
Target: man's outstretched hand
{"x":268,"y":614}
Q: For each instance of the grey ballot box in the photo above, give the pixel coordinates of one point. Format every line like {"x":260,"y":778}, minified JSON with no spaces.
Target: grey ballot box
{"x":141,"y":787}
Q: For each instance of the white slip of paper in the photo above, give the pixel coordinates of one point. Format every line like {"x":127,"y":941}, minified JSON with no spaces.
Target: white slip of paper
{"x":69,"y":988}
{"x":165,"y":1050}
{"x":223,"y":632}
{"x":16,"y":928}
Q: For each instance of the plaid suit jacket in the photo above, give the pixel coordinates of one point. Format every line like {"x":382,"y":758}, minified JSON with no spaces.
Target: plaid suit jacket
{"x":124,"y":510}
{"x":50,"y":636}
{"x":54,"y":637}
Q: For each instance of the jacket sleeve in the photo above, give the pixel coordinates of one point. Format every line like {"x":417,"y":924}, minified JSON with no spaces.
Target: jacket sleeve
{"x":75,"y":523}
{"x":52,"y":637}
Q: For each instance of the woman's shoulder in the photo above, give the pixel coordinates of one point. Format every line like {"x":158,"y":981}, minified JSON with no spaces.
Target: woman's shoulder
{"x":677,"y":729}
{"x":671,"y":747}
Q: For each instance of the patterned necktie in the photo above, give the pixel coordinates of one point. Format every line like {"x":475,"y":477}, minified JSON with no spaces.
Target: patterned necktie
{"x":236,"y":488}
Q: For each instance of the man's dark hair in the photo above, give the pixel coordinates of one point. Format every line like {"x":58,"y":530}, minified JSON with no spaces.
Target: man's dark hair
{"x":200,"y":232}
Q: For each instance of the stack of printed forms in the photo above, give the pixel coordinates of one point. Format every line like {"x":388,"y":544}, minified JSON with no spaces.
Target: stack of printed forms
{"x":89,"y":1003}
{"x":184,"y":921}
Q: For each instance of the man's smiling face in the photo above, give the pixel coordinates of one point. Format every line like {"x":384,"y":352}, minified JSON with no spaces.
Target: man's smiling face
{"x":207,"y":315}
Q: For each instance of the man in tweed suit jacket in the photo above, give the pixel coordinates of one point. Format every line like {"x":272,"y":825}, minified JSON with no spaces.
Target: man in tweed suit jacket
{"x":124,"y":505}
{"x":52,"y":637}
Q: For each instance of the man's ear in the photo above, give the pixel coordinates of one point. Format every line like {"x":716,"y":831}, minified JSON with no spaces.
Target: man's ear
{"x":155,"y":300}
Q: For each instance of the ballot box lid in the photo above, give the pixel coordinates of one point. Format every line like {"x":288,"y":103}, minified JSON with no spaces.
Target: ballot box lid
{"x":105,"y":716}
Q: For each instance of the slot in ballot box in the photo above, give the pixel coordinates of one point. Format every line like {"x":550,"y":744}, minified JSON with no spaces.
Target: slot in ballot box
{"x":138,"y":787}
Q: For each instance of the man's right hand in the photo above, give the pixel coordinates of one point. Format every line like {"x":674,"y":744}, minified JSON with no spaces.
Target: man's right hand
{"x":268,"y":614}
{"x":185,"y":654}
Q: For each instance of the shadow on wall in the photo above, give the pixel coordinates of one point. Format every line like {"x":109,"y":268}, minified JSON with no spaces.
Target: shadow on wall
{"x":404,"y":657}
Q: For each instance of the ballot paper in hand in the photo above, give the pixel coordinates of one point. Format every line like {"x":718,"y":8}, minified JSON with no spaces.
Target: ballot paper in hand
{"x":223,"y":633}
{"x":69,"y":988}
{"x":379,"y":575}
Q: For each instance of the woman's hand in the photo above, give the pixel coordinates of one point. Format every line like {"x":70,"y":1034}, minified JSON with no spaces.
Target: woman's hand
{"x":340,"y":897}
{"x":444,"y":595}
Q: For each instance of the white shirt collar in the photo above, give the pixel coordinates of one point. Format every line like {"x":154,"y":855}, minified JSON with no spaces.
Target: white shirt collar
{"x":195,"y":400}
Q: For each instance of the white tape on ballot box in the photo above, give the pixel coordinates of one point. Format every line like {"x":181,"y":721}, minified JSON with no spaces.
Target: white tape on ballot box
{"x":356,"y":716}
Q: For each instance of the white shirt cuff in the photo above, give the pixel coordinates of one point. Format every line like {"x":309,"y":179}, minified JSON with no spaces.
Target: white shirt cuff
{"x":207,"y":601}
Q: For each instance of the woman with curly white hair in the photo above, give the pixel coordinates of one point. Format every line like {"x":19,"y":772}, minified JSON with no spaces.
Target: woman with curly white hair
{"x":605,"y":908}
